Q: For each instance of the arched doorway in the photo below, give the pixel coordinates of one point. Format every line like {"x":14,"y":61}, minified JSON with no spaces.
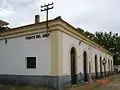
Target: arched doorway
{"x":104,"y":63}
{"x":101,"y":66}
{"x":85,"y":66}
{"x":96,"y":66}
{"x":109,"y":65}
{"x":73,"y":66}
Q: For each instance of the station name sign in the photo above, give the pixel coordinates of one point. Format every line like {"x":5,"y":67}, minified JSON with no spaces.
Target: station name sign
{"x":36,"y":36}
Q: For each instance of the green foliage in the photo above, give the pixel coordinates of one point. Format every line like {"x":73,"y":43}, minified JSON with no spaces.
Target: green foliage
{"x":109,"y":41}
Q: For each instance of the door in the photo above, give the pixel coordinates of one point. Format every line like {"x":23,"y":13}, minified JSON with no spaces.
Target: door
{"x":85,"y":66}
{"x":73,"y":66}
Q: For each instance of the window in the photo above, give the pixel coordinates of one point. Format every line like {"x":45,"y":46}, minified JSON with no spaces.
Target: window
{"x":31,"y":62}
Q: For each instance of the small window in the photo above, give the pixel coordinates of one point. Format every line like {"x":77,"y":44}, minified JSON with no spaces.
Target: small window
{"x":31,"y":62}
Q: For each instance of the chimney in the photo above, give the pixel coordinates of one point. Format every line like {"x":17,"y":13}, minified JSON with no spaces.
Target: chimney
{"x":37,"y":18}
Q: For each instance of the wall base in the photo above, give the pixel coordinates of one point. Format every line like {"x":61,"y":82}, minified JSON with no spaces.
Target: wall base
{"x":54,"y":82}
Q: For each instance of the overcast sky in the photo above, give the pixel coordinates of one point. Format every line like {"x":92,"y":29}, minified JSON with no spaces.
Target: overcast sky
{"x":91,"y":15}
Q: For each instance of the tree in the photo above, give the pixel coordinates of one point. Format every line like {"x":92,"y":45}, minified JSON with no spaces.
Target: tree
{"x":110,"y":41}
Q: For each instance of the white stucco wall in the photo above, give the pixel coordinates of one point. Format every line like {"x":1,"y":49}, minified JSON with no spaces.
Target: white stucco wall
{"x":68,"y":42}
{"x":13,"y":56}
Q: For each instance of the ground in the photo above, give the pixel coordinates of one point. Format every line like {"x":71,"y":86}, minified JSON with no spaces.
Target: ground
{"x":108,"y":83}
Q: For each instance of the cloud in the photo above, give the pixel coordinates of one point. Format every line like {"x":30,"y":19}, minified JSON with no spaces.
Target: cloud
{"x":90,"y":15}
{"x":5,"y":13}
{"x":96,"y":15}
{"x":18,"y":12}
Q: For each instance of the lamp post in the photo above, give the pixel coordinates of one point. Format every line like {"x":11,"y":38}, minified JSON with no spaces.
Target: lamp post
{"x":4,"y":39}
{"x":3,"y":28}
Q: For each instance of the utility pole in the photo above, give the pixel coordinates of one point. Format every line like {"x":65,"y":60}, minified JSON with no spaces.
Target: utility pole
{"x":46,"y":8}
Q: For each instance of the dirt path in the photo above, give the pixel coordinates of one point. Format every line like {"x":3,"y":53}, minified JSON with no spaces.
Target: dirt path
{"x":113,"y":84}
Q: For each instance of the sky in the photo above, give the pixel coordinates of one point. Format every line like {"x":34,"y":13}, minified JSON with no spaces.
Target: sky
{"x":90,"y":15}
